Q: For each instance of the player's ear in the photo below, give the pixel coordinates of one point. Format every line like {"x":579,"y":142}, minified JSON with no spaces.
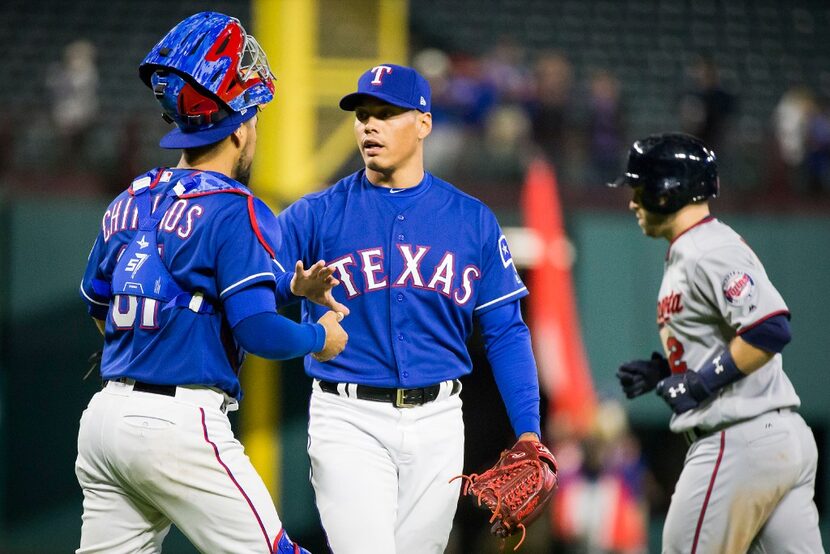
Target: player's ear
{"x":424,"y":125}
{"x":239,"y":135}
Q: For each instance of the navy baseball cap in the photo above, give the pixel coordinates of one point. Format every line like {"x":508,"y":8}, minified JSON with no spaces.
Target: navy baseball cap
{"x":184,"y":136}
{"x":396,"y":84}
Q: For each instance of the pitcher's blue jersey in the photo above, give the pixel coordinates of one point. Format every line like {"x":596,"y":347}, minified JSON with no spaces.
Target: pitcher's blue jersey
{"x":415,"y":266}
{"x":210,"y":242}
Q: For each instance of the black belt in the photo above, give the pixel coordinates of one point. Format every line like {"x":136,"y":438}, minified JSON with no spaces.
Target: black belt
{"x":697,"y":433}
{"x":401,"y":398}
{"x":166,"y":390}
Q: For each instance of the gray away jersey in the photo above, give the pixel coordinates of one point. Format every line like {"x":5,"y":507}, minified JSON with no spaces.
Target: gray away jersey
{"x":714,"y":288}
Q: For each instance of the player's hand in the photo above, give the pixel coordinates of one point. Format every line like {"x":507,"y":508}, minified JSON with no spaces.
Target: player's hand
{"x":683,"y":391}
{"x":640,"y":376}
{"x":336,"y":336}
{"x":529,"y":436}
{"x":315,"y":283}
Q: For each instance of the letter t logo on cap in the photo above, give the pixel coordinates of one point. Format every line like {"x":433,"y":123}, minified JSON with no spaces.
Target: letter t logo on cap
{"x":379,"y":71}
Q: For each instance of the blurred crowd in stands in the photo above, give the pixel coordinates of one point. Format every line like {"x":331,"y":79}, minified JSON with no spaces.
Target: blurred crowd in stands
{"x":492,"y":113}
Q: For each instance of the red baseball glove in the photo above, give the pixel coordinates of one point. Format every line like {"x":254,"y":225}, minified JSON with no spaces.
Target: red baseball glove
{"x":517,"y":488}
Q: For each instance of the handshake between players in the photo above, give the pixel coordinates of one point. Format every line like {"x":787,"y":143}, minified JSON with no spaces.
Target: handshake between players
{"x":315,"y":283}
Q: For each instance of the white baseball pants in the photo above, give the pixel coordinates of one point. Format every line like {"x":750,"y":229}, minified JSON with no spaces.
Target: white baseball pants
{"x":748,"y":488}
{"x":146,"y":460}
{"x":381,"y":474}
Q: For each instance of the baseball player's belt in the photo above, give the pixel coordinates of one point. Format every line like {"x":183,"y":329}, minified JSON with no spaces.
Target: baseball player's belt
{"x":400,"y":398}
{"x":697,"y":433}
{"x":139,"y":386}
{"x":229,"y":404}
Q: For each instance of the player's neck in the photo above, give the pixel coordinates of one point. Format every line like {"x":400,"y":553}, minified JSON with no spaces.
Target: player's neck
{"x":398,"y":178}
{"x":220,"y":160}
{"x":687,"y":217}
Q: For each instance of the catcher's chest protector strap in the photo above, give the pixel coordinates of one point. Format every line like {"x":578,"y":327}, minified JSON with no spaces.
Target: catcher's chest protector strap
{"x":140,"y":270}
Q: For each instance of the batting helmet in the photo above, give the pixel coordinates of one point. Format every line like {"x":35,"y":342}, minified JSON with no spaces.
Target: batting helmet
{"x":672,"y":169}
{"x":209,"y":76}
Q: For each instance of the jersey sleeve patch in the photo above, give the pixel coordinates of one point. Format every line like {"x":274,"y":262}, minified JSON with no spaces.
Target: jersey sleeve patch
{"x":738,"y":287}
{"x":504,"y":252}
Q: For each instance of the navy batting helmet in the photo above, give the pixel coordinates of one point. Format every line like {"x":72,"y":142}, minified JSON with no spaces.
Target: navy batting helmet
{"x":673,"y":170}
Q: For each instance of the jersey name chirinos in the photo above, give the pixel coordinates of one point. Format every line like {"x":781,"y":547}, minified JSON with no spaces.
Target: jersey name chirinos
{"x":179,"y":218}
{"x":445,"y":277}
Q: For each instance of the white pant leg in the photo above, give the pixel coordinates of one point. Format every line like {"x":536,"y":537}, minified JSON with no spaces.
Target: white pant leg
{"x":792,"y":528}
{"x":380,"y":473}
{"x":180,"y":456}
{"x":732,"y":482}
{"x":219,"y":500}
{"x":690,"y":495}
{"x":113,"y":521}
{"x":354,"y":477}
{"x":432,"y":453}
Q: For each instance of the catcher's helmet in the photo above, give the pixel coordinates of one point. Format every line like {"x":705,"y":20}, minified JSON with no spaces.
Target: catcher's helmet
{"x":209,"y":76}
{"x":673,"y":169}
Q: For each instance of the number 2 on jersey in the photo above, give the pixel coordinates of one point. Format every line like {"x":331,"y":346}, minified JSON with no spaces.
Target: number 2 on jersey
{"x":675,"y":348}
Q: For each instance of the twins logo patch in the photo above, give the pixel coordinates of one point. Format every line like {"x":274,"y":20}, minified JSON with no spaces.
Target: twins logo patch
{"x":504,"y":252}
{"x":738,"y":287}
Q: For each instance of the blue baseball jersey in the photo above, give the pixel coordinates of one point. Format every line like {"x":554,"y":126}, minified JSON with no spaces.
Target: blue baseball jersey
{"x":415,"y":267}
{"x":162,"y":307}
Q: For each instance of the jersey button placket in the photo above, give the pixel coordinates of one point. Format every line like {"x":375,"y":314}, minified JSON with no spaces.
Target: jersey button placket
{"x":398,"y":314}
{"x":400,"y":217}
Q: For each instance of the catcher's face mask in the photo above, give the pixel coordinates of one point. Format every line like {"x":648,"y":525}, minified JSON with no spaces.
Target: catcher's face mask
{"x":209,"y":76}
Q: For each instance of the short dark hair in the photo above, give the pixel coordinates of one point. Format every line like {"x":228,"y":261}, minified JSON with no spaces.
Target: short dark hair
{"x":192,"y":155}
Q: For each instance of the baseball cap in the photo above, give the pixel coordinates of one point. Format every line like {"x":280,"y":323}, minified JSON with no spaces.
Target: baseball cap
{"x":396,"y":84}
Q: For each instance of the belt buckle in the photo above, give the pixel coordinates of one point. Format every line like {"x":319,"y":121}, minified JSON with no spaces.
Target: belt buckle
{"x":400,"y":400}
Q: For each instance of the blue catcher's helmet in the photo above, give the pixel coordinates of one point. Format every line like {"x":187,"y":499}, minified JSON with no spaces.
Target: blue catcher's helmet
{"x":209,"y":76}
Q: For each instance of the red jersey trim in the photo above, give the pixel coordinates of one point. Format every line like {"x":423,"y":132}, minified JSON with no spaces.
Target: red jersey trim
{"x":763,"y":319}
{"x":255,"y":227}
{"x":209,"y":192}
{"x":706,"y":219}
{"x":153,"y":184}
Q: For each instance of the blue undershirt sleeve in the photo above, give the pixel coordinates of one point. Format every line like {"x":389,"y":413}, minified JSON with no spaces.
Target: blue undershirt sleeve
{"x":249,"y":301}
{"x":508,"y":348}
{"x":284,"y":295}
{"x":771,"y":335}
{"x":260,"y":330}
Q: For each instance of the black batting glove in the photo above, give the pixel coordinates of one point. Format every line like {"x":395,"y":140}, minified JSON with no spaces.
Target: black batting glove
{"x":640,"y":376}
{"x":683,"y":391}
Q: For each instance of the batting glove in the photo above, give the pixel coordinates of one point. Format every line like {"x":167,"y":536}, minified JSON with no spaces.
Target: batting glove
{"x":640,"y":376}
{"x":683,"y":391}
